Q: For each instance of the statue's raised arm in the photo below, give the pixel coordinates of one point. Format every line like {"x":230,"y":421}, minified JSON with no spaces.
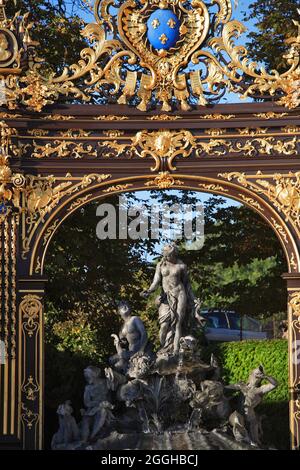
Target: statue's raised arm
{"x":156,"y":283}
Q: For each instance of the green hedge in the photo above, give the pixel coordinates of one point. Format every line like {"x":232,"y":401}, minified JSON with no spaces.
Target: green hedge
{"x":239,"y":358}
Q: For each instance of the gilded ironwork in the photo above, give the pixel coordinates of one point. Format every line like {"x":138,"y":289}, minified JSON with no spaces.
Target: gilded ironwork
{"x":162,"y":145}
{"x":294,"y":303}
{"x":31,"y":374}
{"x":282,"y":190}
{"x":293,"y":263}
{"x":117,"y":187}
{"x":30,"y":312}
{"x":8,"y":275}
{"x":212,"y":187}
{"x":164,"y":117}
{"x":197,"y":66}
{"x":270,"y":115}
{"x":30,"y":388}
{"x":42,"y":194}
{"x":164,"y":180}
{"x":251,"y":202}
{"x":29,"y":418}
{"x":280,"y":230}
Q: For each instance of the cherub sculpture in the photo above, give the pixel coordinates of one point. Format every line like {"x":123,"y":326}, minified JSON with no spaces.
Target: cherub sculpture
{"x":97,"y":411}
{"x":132,"y":340}
{"x":209,"y":403}
{"x":246,"y":423}
{"x":68,"y":431}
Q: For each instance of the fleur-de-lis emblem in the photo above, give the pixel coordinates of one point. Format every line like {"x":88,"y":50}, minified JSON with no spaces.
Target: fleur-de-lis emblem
{"x":155,"y":23}
{"x":163,"y":39}
{"x":171,"y":23}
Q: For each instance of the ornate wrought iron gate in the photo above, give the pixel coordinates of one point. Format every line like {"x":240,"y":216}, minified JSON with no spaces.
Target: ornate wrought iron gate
{"x":56,"y":159}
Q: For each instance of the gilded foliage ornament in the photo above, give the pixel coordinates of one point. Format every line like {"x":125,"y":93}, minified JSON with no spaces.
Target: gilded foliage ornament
{"x":164,"y":180}
{"x":164,"y":146}
{"x":147,"y":52}
{"x":294,"y":303}
{"x":283,"y":190}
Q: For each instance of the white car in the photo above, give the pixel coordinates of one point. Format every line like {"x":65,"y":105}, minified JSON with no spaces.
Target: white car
{"x":228,"y":325}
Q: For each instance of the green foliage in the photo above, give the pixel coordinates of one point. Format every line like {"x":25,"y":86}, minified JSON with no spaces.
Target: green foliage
{"x":57,"y":28}
{"x":87,"y":277}
{"x":241,"y":263}
{"x":239,"y":358}
{"x":274,"y":23}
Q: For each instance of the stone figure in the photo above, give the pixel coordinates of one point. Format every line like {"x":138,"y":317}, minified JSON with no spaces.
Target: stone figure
{"x":132,"y":340}
{"x":171,"y":400}
{"x":176,"y":302}
{"x":68,"y":431}
{"x":209,"y":403}
{"x":187,"y":349}
{"x":97,"y":411}
{"x":252,"y":395}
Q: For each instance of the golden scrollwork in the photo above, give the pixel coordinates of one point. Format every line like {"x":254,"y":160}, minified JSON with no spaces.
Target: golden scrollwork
{"x":42,"y":194}
{"x":10,"y":115}
{"x":29,"y":418}
{"x":217,"y":116}
{"x":294,"y":303}
{"x":164,"y":117}
{"x":293,"y":263}
{"x":291,"y":129}
{"x":251,"y":202}
{"x":78,"y":202}
{"x":282,"y":190}
{"x":50,"y":230}
{"x":61,"y":149}
{"x":30,"y":311}
{"x":215,"y":132}
{"x":30,"y":388}
{"x":164,"y":180}
{"x":280,"y":231}
{"x":110,"y":117}
{"x":58,"y":117}
{"x":164,"y":146}
{"x":119,"y":40}
{"x":38,"y":266}
{"x":249,"y":147}
{"x":113,"y":133}
{"x":213,"y":187}
{"x":270,"y":115}
{"x":117,"y":187}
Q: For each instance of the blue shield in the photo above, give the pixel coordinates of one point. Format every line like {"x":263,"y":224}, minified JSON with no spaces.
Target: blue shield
{"x":163,"y":29}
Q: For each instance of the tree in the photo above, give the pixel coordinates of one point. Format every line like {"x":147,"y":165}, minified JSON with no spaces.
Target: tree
{"x":57,"y":28}
{"x":87,"y":277}
{"x":273,"y":20}
{"x":241,"y":263}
